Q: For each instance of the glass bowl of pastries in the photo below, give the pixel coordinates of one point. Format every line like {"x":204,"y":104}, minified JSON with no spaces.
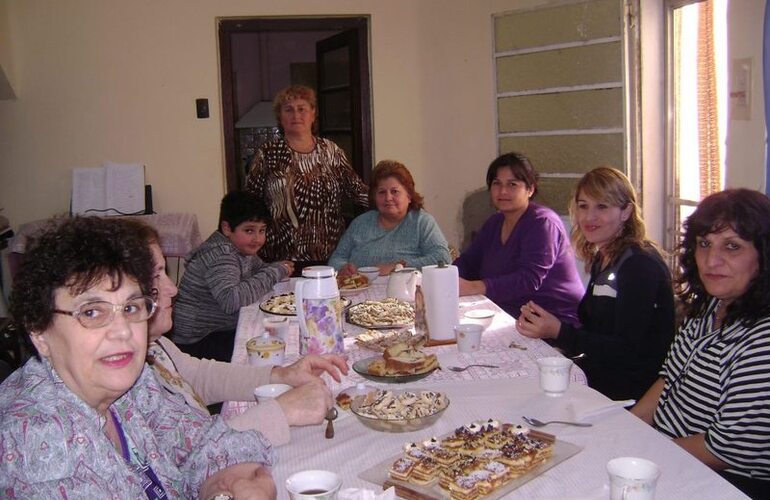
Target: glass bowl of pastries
{"x":404,"y":410}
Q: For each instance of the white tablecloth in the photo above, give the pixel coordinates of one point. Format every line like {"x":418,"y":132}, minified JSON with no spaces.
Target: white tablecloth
{"x":504,"y":394}
{"x":495,"y":350}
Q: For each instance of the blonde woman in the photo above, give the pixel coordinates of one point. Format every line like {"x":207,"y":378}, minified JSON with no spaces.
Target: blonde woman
{"x":627,"y":312}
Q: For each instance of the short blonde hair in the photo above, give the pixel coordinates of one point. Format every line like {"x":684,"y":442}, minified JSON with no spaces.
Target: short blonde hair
{"x":295,"y":92}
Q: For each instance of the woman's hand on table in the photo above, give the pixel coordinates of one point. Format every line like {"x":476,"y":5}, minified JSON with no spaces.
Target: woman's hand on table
{"x":310,"y":368}
{"x":387,"y":268}
{"x":248,"y":481}
{"x":347,"y":270}
{"x":306,"y":404}
{"x":536,"y":322}
{"x":472,"y":287}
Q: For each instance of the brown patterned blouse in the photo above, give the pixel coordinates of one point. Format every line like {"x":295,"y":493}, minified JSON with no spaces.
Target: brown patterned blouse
{"x":304,"y":193}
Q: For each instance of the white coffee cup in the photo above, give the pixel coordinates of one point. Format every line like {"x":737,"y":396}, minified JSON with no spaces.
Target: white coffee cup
{"x":554,"y":374}
{"x":313,"y":485}
{"x":277,"y":326}
{"x":632,"y":478}
{"x":468,"y":336}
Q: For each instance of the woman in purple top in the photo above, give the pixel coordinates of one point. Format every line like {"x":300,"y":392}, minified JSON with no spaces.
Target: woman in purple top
{"x":522,"y":252}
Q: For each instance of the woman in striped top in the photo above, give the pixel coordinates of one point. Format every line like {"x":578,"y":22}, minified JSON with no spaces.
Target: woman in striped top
{"x":712,"y":396}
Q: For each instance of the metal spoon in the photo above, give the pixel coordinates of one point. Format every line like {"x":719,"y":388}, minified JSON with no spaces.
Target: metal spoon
{"x":539,"y":423}
{"x":331,"y":414}
{"x":463,"y":368}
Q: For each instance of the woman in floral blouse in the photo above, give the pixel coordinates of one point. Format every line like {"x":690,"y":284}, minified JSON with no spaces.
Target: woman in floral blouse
{"x":86,"y":418}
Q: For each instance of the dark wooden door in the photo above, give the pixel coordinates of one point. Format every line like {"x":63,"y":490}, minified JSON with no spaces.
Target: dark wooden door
{"x":360,"y":133}
{"x":343,"y":78}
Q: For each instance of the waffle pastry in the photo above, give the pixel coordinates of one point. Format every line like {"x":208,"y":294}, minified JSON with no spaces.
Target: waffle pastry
{"x":352,"y":282}
{"x":476,"y":459}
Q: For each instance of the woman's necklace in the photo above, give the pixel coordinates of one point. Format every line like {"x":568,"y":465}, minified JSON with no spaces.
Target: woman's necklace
{"x":302,"y":145}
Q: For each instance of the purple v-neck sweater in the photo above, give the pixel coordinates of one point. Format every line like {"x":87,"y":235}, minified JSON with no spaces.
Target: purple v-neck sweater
{"x":536,"y":263}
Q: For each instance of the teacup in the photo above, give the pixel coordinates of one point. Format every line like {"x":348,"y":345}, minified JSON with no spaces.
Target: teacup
{"x":277,"y":326}
{"x":270,"y":391}
{"x":554,"y":374}
{"x":313,"y":485}
{"x":468,"y":336}
{"x":266,"y":350}
{"x":632,"y":478}
{"x":371,"y":272}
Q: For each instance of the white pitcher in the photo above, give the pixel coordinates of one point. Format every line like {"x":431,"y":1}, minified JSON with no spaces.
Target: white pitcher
{"x":402,"y":283}
{"x":319,"y":311}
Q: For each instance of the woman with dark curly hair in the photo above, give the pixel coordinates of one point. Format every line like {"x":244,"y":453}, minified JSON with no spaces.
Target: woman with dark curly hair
{"x":85,"y":416}
{"x":627,"y":313}
{"x":712,"y":396}
{"x":398,"y":231}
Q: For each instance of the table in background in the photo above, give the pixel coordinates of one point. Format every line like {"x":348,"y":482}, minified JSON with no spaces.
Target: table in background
{"x":179,"y":235}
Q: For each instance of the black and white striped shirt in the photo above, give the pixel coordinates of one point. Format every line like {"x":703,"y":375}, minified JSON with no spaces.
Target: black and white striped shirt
{"x":717,"y":382}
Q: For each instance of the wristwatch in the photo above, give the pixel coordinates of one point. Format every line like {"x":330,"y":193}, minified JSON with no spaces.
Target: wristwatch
{"x":223,"y":495}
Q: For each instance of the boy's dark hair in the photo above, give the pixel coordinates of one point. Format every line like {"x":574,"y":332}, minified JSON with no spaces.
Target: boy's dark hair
{"x":238,"y":207}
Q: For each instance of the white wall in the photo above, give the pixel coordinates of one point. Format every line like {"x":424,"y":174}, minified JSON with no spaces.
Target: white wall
{"x":745,"y":138}
{"x":115,"y":80}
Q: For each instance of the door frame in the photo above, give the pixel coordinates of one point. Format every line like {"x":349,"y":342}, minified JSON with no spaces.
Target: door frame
{"x":230,"y":26}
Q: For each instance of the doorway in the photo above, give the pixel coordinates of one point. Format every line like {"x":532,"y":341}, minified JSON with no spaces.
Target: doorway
{"x":260,"y":56}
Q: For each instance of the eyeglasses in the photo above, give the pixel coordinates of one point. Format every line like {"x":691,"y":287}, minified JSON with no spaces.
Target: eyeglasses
{"x":101,"y":313}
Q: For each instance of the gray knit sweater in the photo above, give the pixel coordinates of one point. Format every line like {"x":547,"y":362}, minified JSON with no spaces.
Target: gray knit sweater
{"x":218,"y":280}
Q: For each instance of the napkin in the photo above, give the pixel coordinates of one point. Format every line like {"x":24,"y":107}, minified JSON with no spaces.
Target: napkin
{"x":591,"y":404}
{"x":364,"y":494}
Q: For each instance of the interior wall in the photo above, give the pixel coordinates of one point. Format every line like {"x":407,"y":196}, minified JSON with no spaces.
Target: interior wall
{"x":745,"y":156}
{"x":115,"y":80}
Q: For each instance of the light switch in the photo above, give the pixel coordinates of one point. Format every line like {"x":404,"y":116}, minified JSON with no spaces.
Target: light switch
{"x":202,"y":107}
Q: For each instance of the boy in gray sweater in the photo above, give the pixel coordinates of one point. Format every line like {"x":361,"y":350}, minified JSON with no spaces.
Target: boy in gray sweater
{"x":222,"y":275}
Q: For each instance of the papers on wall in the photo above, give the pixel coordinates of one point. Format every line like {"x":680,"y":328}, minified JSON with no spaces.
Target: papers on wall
{"x":113,"y":189}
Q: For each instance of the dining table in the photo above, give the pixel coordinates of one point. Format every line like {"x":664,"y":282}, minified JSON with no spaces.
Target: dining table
{"x":506,"y":394}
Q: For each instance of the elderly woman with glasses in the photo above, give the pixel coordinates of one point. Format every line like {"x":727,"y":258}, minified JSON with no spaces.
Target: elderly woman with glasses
{"x":86,"y":416}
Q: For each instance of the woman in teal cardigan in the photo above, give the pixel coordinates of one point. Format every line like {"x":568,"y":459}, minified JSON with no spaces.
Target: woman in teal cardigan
{"x":399,"y":231}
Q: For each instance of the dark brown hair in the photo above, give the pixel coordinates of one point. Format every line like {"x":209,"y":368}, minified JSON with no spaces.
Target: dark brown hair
{"x":77,"y":253}
{"x":520,"y":166}
{"x":746,"y":212}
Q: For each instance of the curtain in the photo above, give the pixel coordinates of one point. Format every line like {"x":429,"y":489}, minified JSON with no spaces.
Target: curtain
{"x":708,"y":121}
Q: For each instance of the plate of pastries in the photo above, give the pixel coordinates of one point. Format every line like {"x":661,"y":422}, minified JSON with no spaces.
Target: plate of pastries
{"x":379,"y":340}
{"x":399,"y":411}
{"x":352,"y":284}
{"x":398,"y":363}
{"x":482,"y":459}
{"x":381,"y":314}
{"x":284,"y":305}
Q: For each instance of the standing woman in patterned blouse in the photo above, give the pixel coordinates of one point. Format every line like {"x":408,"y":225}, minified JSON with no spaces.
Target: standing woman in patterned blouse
{"x":304,"y":180}
{"x":712,"y":395}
